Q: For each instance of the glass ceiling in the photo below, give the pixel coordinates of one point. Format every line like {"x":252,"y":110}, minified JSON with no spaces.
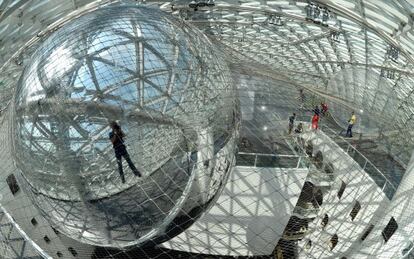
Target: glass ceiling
{"x":280,"y":34}
{"x":301,"y":43}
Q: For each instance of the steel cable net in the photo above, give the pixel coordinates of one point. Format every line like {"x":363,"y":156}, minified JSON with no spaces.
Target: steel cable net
{"x":366,"y":90}
{"x":307,"y":194}
{"x":378,"y":105}
{"x":162,"y":83}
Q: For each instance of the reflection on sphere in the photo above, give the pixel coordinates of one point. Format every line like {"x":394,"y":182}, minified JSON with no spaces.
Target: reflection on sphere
{"x":163,"y":82}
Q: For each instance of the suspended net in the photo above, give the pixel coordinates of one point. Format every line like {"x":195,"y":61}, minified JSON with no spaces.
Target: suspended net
{"x":130,"y":133}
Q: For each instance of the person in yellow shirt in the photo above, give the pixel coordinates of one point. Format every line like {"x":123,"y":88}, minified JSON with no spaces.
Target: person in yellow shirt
{"x":351,"y":123}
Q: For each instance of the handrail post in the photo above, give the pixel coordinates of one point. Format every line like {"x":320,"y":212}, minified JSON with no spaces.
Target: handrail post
{"x":255,"y":160}
{"x":366,"y":161}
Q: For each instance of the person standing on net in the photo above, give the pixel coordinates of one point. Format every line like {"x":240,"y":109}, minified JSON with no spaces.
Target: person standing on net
{"x":317,"y":111}
{"x":299,"y":129}
{"x":324,"y":108}
{"x":302,"y":99}
{"x":291,"y":123}
{"x":351,"y":123}
{"x":117,"y":138}
{"x":315,"y":121}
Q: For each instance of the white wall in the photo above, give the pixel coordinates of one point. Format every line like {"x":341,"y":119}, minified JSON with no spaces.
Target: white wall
{"x":249,"y":216}
{"x":402,"y":209}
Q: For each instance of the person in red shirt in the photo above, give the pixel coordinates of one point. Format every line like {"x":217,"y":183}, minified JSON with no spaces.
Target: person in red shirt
{"x":315,"y":121}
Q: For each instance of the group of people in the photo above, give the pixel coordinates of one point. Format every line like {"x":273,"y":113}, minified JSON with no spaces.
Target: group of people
{"x":317,"y":113}
{"x":315,"y":119}
{"x":117,"y":137}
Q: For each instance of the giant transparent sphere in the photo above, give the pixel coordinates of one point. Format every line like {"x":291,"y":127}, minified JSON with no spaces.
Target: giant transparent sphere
{"x":171,"y":93}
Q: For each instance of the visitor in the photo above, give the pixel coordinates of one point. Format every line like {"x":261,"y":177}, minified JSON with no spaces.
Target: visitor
{"x":315,"y":121}
{"x":351,"y":123}
{"x":324,"y":108}
{"x":244,"y":142}
{"x":317,"y":111}
{"x":299,"y":129}
{"x":117,"y":138}
{"x":291,"y":122}
{"x":301,"y":98}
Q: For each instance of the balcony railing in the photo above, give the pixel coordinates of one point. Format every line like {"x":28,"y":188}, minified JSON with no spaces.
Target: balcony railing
{"x":367,"y":166}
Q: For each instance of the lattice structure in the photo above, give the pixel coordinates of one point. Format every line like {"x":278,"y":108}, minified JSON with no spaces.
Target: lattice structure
{"x":204,"y":91}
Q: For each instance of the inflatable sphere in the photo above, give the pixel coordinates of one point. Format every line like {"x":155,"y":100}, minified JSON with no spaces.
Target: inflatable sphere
{"x":159,"y":79}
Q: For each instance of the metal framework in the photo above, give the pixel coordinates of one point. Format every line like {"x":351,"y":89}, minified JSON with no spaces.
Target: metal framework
{"x":358,"y":53}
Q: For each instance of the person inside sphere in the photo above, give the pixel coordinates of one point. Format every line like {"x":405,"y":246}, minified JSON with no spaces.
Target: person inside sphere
{"x":117,"y":138}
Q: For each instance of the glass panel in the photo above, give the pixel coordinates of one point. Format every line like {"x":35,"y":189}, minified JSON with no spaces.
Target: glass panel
{"x":389,"y":190}
{"x":277,"y":162}
{"x":375,"y":175}
{"x":361,"y":160}
{"x":245,"y":160}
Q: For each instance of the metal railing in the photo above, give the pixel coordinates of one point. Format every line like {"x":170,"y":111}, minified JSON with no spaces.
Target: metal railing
{"x":270,"y":160}
{"x":367,"y":166}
